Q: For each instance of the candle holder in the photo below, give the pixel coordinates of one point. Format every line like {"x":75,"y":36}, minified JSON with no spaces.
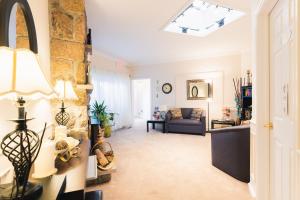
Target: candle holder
{"x":62,"y":118}
{"x":65,"y":91}
{"x":21,"y":147}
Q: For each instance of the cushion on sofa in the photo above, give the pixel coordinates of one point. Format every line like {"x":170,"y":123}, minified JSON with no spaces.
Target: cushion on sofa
{"x":186,"y":113}
{"x":196,"y":113}
{"x":189,"y":122}
{"x":176,"y":113}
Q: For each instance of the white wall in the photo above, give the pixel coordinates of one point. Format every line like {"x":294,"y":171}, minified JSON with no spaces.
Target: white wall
{"x":221,"y":70}
{"x":246,"y":63}
{"x":104,"y":61}
{"x":40,"y":110}
{"x":40,"y":12}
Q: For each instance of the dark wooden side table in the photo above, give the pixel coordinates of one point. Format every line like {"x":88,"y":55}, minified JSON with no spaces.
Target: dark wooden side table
{"x":222,"y":122}
{"x":153,"y":122}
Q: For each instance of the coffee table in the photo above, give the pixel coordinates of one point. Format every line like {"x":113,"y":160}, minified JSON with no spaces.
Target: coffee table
{"x":153,"y":122}
{"x":222,"y":122}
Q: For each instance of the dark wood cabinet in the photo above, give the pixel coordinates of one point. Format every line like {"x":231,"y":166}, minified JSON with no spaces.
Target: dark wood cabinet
{"x":94,"y":131}
{"x":246,"y":95}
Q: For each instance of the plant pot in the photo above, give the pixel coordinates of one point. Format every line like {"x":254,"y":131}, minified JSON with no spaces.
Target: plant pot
{"x":107,"y":131}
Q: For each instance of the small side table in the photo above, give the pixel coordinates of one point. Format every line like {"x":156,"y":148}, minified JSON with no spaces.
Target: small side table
{"x":222,"y":122}
{"x":153,"y":122}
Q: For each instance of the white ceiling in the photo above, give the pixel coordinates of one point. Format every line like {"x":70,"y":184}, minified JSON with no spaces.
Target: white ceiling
{"x":133,"y":30}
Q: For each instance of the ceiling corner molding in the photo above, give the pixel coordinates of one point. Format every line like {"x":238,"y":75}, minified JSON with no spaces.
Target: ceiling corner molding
{"x":264,"y":7}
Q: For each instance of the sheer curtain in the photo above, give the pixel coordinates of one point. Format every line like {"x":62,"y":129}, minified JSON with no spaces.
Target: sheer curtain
{"x":114,"y":88}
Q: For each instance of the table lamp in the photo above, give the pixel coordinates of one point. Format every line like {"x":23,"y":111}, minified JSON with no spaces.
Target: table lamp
{"x":21,"y":78}
{"x":65,"y":92}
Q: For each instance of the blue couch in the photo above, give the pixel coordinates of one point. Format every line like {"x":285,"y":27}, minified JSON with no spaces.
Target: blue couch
{"x":185,"y":125}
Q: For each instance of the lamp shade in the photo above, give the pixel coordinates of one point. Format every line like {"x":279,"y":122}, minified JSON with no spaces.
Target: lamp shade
{"x":21,"y":75}
{"x":65,"y":90}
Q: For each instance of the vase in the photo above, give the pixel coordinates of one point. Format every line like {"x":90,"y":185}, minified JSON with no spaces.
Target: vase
{"x":107,"y":131}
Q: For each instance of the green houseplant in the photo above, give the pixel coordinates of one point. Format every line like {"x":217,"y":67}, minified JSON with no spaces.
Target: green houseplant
{"x":99,"y":111}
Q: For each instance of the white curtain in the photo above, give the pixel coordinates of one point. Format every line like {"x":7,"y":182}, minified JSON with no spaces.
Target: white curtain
{"x":114,"y":88}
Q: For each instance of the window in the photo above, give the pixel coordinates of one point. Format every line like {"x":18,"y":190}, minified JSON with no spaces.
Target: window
{"x":202,"y":18}
{"x":114,"y":88}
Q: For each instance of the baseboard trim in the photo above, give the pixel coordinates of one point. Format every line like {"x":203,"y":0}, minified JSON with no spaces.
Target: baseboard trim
{"x":251,"y":189}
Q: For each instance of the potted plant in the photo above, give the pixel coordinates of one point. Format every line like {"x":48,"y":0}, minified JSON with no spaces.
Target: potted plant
{"x":99,"y":111}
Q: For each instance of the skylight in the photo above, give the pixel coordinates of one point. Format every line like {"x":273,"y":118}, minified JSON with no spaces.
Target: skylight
{"x":202,"y":18}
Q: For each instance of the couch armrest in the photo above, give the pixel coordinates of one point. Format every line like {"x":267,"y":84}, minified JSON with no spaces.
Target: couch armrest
{"x":203,"y":119}
{"x":203,"y":122}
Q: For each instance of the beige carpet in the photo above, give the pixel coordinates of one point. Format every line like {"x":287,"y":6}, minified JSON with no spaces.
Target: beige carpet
{"x":156,"y":166}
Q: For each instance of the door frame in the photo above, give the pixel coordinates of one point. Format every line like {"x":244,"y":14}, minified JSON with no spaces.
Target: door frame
{"x":260,"y":184}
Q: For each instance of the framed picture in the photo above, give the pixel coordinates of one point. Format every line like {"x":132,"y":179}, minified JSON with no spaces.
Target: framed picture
{"x":199,"y":89}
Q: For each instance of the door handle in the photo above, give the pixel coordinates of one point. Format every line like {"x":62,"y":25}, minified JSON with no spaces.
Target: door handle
{"x":269,"y":125}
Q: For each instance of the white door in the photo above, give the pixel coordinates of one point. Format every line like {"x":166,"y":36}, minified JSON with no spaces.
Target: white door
{"x":282,"y":136}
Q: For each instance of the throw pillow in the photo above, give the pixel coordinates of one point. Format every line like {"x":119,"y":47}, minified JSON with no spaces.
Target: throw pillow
{"x":196,"y":113}
{"x":176,"y":113}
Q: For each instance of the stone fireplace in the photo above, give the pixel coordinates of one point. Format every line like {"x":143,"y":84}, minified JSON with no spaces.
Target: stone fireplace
{"x":68,"y":29}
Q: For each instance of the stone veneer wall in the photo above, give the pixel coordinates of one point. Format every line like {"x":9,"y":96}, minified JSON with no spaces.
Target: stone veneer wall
{"x":22,"y":40}
{"x":68,"y":27}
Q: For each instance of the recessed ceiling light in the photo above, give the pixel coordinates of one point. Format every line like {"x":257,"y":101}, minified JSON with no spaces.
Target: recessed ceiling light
{"x":202,"y":18}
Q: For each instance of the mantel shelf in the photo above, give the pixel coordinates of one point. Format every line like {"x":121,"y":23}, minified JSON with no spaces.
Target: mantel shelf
{"x":88,"y":87}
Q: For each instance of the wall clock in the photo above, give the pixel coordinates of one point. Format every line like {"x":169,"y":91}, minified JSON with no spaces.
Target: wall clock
{"x":167,"y":88}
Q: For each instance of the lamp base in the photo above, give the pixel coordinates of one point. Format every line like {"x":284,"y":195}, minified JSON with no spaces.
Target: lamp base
{"x":32,"y":192}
